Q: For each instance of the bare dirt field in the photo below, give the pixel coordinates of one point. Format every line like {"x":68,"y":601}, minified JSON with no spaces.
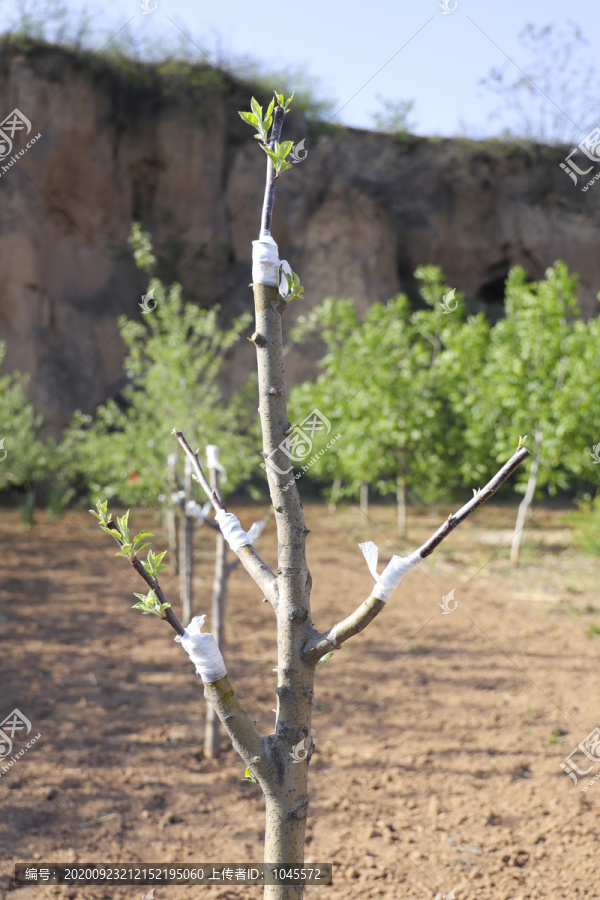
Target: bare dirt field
{"x":438,"y":737}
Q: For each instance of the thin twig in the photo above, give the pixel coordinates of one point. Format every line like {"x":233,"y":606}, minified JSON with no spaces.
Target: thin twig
{"x":332,"y":638}
{"x":200,"y":476}
{"x":152,"y":583}
{"x":484,"y":494}
{"x":254,"y":565}
{"x":267,"y":211}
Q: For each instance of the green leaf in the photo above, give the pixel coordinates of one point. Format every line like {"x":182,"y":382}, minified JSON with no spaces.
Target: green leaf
{"x":272,"y":155}
{"x":142,"y":535}
{"x":269,"y":109}
{"x":324,"y":659}
{"x":284,"y":148}
{"x":123,"y":526}
{"x":256,"y":109}
{"x":140,"y":605}
{"x":249,"y":118}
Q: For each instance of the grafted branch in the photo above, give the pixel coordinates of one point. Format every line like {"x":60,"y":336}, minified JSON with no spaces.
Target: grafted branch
{"x":267,"y":211}
{"x":325,"y":641}
{"x":152,"y":583}
{"x":245,"y":737}
{"x":243,"y":732}
{"x":249,"y":558}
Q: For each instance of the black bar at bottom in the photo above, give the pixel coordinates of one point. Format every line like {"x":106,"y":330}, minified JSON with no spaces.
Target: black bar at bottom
{"x":172,"y":873}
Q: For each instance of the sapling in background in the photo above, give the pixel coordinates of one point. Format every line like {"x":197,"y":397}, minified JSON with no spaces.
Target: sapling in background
{"x":176,"y":373}
{"x":193,"y":516}
{"x":279,"y":761}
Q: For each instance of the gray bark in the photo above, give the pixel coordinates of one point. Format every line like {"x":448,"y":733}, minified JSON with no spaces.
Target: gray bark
{"x":212,"y":737}
{"x":186,"y":548}
{"x":401,"y":505}
{"x":170,"y":517}
{"x":336,"y":490}
{"x":526,"y":501}
{"x":364,"y":498}
{"x":286,"y":794}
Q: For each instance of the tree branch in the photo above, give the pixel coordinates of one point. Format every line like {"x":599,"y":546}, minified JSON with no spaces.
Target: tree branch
{"x":267,"y":210}
{"x":323,"y":642}
{"x":244,"y":734}
{"x":249,"y":558}
{"x":200,"y":476}
{"x":152,"y":583}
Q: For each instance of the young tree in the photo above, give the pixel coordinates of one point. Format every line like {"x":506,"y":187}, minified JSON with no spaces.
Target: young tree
{"x":381,"y":383}
{"x":25,"y":456}
{"x":193,"y":516}
{"x":278,"y":761}
{"x":524,"y":382}
{"x":176,"y":358}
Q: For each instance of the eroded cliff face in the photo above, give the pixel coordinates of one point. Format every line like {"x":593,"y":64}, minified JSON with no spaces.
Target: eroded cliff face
{"x":354,"y":218}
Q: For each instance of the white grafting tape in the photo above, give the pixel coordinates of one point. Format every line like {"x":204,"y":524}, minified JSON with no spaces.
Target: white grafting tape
{"x":212,"y":460}
{"x":265,"y":261}
{"x":232,"y":531}
{"x":203,"y":651}
{"x":392,"y":575}
{"x":200,"y":512}
{"x":255,"y":529}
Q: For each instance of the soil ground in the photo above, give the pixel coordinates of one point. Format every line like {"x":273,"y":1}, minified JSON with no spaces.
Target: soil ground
{"x":438,"y":737}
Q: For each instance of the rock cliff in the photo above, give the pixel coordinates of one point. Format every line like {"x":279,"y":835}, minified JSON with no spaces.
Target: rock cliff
{"x":164,"y":146}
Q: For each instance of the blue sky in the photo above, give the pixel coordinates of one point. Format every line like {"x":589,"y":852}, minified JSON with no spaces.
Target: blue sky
{"x":358,"y":53}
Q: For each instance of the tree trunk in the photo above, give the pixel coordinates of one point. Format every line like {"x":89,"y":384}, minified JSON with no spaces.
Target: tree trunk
{"x":170,"y":524}
{"x":401,"y":504}
{"x":285,"y":830}
{"x":212,"y":736}
{"x":364,"y":498}
{"x":285,"y":790}
{"x":526,"y":501}
{"x":186,"y":548}
{"x":336,"y":489}
{"x":170,"y":518}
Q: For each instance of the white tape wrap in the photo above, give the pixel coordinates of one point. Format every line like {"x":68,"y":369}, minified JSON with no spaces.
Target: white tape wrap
{"x":212,"y":460}
{"x":203,"y":651}
{"x":265,"y":266}
{"x":265,"y":261}
{"x":232,"y":531}
{"x":200,"y":512}
{"x":392,"y":575}
{"x":255,"y":530}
